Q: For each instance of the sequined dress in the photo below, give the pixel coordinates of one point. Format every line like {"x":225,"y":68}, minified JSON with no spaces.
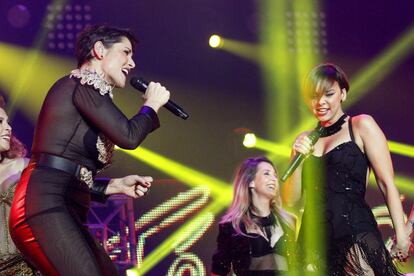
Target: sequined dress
{"x":11,"y":261}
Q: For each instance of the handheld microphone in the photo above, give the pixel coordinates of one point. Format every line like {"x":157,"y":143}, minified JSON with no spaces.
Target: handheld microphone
{"x":298,"y":158}
{"x":141,"y":85}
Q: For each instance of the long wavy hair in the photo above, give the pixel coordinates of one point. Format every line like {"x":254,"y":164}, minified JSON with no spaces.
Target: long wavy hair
{"x":239,"y":211}
{"x":17,"y":149}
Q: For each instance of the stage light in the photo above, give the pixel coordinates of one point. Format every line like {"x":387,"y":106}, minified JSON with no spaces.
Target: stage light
{"x":181,"y":172}
{"x":66,"y":20}
{"x":18,"y":16}
{"x":404,"y":184}
{"x":215,"y":41}
{"x":28,"y":90}
{"x":183,"y":236}
{"x":249,"y":140}
{"x":382,"y":65}
{"x":221,"y":196}
{"x":289,"y":30}
{"x":252,"y":141}
{"x":131,"y":272}
{"x":306,"y":29}
{"x":401,"y":149}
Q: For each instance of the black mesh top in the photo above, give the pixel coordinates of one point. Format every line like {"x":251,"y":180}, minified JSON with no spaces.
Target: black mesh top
{"x":72,"y":117}
{"x":268,"y":254}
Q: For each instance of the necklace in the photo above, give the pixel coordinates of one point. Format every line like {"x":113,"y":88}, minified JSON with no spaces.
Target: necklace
{"x":334,"y":128}
{"x":264,"y":221}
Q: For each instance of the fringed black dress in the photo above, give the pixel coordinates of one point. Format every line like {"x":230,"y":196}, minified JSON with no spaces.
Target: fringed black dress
{"x":349,"y":240}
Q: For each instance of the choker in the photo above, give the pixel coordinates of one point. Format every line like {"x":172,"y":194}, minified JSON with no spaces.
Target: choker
{"x":334,"y":128}
{"x":264,"y":221}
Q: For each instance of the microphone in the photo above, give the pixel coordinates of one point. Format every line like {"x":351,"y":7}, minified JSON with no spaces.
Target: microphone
{"x":298,"y":158}
{"x":141,"y":85}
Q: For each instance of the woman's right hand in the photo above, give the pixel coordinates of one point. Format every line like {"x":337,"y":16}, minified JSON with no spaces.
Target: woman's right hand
{"x":303,"y":144}
{"x":156,"y":96}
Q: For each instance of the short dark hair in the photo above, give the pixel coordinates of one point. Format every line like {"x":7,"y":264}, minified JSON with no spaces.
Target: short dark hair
{"x":107,"y":35}
{"x":323,"y":76}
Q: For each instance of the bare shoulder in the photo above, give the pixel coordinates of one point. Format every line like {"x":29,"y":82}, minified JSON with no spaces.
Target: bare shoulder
{"x":364,"y":122}
{"x":366,"y":127}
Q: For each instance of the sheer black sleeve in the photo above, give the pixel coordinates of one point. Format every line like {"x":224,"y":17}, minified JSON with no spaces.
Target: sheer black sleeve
{"x":221,"y":260}
{"x":98,"y":189}
{"x":102,"y":113}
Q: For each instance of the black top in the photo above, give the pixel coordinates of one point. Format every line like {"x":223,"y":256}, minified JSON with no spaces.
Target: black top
{"x":72,"y":117}
{"x":235,"y":251}
{"x":261,"y":246}
{"x":338,"y":180}
{"x":335,"y":186}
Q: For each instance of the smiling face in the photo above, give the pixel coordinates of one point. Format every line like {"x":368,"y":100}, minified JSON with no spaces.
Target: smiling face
{"x":116,"y":61}
{"x":326,"y":102}
{"x":5,"y":131}
{"x":266,"y":184}
{"x":324,"y":89}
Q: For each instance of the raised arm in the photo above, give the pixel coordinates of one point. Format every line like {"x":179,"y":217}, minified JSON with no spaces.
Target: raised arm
{"x":104,"y":115}
{"x":292,"y":188}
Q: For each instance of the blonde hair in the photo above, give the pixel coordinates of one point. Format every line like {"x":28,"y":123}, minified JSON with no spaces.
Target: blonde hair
{"x":238,"y":212}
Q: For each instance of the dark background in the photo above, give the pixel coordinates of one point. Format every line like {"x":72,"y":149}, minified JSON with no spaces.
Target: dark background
{"x":221,"y":91}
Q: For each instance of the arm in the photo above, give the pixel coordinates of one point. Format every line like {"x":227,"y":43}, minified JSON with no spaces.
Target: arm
{"x":221,"y":260}
{"x":292,"y":188}
{"x":132,"y":185}
{"x":104,"y":115}
{"x":376,"y":149}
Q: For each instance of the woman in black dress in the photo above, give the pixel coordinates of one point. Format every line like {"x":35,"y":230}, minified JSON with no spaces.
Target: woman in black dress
{"x":334,"y":178}
{"x":75,"y":134}
{"x":256,"y":236}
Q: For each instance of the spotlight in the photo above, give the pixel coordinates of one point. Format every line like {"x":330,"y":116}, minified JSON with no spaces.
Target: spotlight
{"x":215,"y":41}
{"x":18,"y":16}
{"x":249,"y":140}
{"x":68,"y":19}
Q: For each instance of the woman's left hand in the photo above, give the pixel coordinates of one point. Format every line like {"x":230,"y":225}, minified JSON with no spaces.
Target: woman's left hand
{"x":132,"y":185}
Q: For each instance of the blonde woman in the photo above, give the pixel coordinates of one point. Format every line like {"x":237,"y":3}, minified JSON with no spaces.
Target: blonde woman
{"x":256,"y":235}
